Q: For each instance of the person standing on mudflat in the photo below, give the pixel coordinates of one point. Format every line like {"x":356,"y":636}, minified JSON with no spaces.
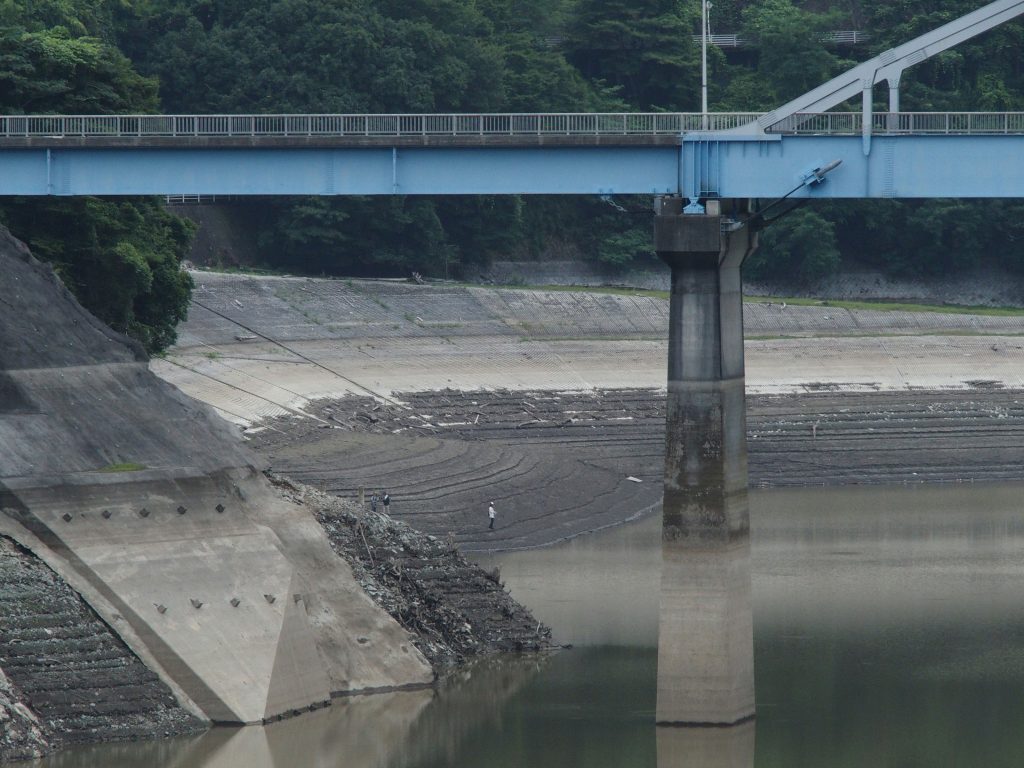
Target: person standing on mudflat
{"x":373,"y":502}
{"x":387,"y":501}
{"x":491,"y":514}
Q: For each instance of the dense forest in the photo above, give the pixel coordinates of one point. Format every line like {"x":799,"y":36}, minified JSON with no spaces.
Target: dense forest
{"x":121,"y":257}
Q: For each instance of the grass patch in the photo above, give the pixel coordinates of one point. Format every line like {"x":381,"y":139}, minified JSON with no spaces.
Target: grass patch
{"x":249,"y":270}
{"x":615,"y":290}
{"x":125,"y":466}
{"x":878,"y":306}
{"x":891,"y":306}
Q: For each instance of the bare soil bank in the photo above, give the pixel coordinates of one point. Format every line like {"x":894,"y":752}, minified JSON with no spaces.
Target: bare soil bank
{"x":558,"y":464}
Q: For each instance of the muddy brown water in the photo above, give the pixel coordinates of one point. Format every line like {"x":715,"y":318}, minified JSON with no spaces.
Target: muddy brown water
{"x":889,"y":631}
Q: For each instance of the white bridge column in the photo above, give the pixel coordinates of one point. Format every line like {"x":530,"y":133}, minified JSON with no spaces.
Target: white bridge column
{"x":705,"y":644}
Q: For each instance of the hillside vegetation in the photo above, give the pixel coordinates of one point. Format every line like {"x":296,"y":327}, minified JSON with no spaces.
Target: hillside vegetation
{"x":116,"y":56}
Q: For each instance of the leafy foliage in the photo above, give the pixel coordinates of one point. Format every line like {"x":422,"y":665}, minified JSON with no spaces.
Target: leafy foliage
{"x":473,"y":56}
{"x":362,"y":56}
{"x":50,"y":71}
{"x":642,"y":48}
{"x":802,"y":246}
{"x":121,"y":259}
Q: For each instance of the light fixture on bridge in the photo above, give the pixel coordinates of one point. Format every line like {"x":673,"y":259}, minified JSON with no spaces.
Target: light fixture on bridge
{"x":817,"y":175}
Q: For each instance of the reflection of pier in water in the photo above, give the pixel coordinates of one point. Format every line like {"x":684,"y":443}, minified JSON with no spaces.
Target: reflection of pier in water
{"x":731,"y":747}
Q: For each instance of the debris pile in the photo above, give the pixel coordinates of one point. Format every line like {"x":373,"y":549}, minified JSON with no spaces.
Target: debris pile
{"x":22,"y":736}
{"x":455,"y":609}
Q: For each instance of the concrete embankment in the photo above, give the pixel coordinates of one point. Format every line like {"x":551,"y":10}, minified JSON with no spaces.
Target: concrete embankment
{"x":547,"y":402}
{"x":257,"y":347}
{"x":148,"y":506}
{"x":990,"y":287}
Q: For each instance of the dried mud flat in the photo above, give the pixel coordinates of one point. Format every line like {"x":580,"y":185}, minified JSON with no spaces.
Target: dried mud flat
{"x":557,"y":464}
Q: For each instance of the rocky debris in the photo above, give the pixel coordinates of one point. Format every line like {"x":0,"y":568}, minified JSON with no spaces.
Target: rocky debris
{"x":22,"y":735}
{"x":80,"y":680}
{"x":476,"y":415}
{"x":455,"y":609}
{"x":793,"y":439}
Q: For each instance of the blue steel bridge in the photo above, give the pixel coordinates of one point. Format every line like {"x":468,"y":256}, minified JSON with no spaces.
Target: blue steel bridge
{"x":785,"y":153}
{"x":896,"y":154}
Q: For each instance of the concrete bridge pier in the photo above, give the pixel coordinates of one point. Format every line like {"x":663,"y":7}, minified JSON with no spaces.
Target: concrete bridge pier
{"x":705,"y":644}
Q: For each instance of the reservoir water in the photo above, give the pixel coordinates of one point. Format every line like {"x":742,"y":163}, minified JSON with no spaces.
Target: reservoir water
{"x":888,"y":631}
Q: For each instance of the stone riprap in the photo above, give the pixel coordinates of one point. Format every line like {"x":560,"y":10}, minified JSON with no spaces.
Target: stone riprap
{"x":82,"y":681}
{"x":456,"y":610}
{"x":147,"y":504}
{"x":22,"y":735}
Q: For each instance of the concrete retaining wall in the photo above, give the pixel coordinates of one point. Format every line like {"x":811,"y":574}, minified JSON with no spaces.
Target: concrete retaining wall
{"x":148,"y":501}
{"x":983,"y":287}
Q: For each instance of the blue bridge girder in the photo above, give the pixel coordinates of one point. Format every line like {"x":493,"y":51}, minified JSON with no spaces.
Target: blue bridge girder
{"x":914,"y":155}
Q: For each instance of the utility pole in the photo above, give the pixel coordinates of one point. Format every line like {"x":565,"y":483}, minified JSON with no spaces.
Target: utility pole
{"x":704,"y":7}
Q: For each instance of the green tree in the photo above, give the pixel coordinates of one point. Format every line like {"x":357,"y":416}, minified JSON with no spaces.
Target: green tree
{"x":120,"y":258}
{"x":361,"y":56}
{"x":791,"y":58}
{"x":642,"y":48}
{"x":50,"y":71}
{"x":802,"y":245}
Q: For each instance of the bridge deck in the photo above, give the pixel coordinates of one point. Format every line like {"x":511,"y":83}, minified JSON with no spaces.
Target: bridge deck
{"x":913,"y":155}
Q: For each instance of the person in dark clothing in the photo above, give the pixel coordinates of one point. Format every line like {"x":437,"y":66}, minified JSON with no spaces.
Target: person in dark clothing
{"x":387,"y":500}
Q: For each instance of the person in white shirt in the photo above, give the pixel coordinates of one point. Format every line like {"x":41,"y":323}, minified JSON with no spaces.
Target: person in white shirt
{"x":491,"y":514}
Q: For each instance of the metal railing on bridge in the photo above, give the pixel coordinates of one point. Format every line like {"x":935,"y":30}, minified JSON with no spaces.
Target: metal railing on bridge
{"x":839,"y":37}
{"x":850,"y":123}
{"x":648,"y":123}
{"x":519,"y":124}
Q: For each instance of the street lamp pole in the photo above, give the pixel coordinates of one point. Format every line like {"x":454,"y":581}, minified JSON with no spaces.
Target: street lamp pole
{"x":704,"y":5}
